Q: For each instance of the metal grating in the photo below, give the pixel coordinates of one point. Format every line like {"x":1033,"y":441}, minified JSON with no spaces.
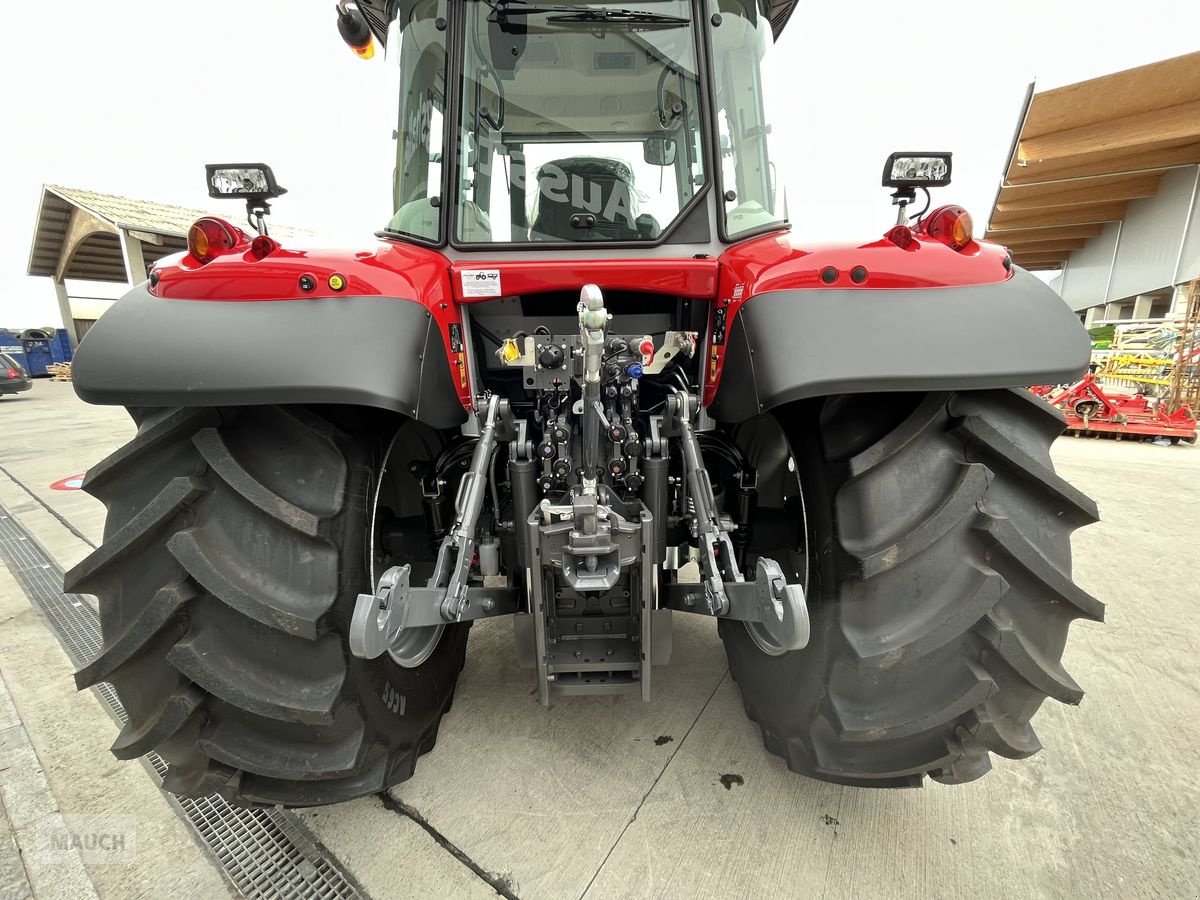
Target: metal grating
{"x":265,"y":852}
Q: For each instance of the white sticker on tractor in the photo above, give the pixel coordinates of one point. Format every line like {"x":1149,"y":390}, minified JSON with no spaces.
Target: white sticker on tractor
{"x":481,"y":283}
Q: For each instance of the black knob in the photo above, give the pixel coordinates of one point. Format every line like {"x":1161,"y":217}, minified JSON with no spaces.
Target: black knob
{"x":546,"y":450}
{"x":561,"y":434}
{"x":634,"y":481}
{"x":617,"y":433}
{"x":617,"y":467}
{"x":546,"y":484}
{"x":551,"y":357}
{"x":562,"y":468}
{"x":633,"y":446}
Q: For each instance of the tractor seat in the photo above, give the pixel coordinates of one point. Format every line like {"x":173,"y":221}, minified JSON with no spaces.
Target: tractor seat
{"x":588,"y":199}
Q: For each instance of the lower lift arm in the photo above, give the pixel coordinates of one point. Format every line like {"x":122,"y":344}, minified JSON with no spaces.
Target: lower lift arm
{"x":769,"y":600}
{"x":381,"y":618}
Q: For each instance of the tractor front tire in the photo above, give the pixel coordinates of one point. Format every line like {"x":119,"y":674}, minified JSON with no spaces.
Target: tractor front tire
{"x":234,"y":549}
{"x":940,"y":592}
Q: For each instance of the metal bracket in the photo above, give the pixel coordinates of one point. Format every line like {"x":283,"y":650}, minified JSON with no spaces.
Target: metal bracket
{"x":387,"y":619}
{"x":777,"y":608}
{"x":381,"y":620}
{"x":521,"y":447}
{"x":375,"y":627}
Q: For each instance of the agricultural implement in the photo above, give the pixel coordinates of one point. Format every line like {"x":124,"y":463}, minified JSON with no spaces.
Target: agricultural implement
{"x":1090,"y":410}
{"x":588,"y":383}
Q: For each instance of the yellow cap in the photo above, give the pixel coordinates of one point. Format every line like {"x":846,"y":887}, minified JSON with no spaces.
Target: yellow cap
{"x":510,"y":350}
{"x":337,"y":282}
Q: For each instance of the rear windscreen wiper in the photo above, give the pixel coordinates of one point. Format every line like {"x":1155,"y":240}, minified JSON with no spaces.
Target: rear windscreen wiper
{"x":590,"y":14}
{"x":593,"y":14}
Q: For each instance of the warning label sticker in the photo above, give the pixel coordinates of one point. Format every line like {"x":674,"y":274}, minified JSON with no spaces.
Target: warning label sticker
{"x":481,"y":283}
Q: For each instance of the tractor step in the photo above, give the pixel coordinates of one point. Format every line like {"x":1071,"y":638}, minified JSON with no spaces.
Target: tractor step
{"x":577,"y":683}
{"x":579,"y":664}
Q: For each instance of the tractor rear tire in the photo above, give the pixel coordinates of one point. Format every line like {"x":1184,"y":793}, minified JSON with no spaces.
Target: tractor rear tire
{"x":940,"y":594}
{"x":234,"y":549}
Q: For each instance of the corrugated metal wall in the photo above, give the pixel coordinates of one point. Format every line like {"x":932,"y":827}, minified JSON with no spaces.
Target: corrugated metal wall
{"x":1085,"y":277}
{"x":1152,"y":235}
{"x":1189,"y":259}
{"x":1152,"y":249}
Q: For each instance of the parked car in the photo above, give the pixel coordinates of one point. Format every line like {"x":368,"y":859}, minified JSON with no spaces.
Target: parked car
{"x":13,"y":379}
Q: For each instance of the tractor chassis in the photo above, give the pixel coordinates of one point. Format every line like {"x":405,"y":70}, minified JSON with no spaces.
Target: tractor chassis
{"x":594,"y":612}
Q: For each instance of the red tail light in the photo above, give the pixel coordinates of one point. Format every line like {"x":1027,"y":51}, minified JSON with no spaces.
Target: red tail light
{"x":901,"y":236}
{"x":209,"y":237}
{"x":951,"y":225}
{"x":262,"y":246}
{"x":13,"y":373}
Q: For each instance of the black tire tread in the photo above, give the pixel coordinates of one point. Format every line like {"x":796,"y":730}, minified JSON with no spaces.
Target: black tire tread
{"x":241,"y":664}
{"x":219,"y":571}
{"x":138,"y":738}
{"x":955,"y":697}
{"x":222,"y":463}
{"x":972,"y":482}
{"x":917,"y":423}
{"x":1057,"y":585}
{"x":998,"y":449}
{"x":170,"y":502}
{"x":1044,"y":673}
{"x":932,"y":649}
{"x":166,"y":606}
{"x":288,"y":754}
{"x":122,"y":460}
{"x":220,"y":590}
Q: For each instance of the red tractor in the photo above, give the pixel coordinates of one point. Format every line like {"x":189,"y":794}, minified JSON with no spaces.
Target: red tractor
{"x":586,"y":380}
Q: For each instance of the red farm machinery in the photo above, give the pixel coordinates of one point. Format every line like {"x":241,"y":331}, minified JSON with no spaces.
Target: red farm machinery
{"x":1167,"y":395}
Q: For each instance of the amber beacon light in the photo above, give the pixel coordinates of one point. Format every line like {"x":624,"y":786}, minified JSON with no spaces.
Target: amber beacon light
{"x":353,"y":27}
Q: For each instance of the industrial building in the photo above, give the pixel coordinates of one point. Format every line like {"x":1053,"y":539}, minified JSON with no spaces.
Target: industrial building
{"x":1103,"y":183}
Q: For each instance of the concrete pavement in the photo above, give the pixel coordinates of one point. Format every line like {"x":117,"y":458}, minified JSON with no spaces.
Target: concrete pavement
{"x":614,"y":798}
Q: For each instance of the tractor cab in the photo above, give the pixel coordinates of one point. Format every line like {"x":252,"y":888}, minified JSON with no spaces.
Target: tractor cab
{"x":552,"y":125}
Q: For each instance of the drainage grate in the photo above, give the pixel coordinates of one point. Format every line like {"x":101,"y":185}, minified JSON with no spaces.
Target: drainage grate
{"x":265,"y":852}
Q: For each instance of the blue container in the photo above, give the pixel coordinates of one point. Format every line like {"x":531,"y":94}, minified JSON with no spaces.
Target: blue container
{"x":38,"y":355}
{"x":60,"y":347}
{"x":36,"y":348}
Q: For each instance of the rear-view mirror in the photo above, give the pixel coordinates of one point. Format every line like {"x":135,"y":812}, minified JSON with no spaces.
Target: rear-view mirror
{"x":659,"y":151}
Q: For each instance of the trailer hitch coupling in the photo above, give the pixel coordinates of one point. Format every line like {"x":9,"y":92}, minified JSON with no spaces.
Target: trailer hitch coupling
{"x":774,"y":611}
{"x":397,"y":614}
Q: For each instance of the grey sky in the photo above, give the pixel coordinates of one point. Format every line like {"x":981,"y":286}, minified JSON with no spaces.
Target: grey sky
{"x":134,"y":97}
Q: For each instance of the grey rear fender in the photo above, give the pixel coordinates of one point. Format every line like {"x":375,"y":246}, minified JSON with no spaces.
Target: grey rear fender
{"x":366,"y":351}
{"x":790,"y":345}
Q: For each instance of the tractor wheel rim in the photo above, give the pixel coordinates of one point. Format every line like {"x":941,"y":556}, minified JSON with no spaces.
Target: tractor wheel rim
{"x":758,"y":633}
{"x":413,"y":645}
{"x":762,"y":640}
